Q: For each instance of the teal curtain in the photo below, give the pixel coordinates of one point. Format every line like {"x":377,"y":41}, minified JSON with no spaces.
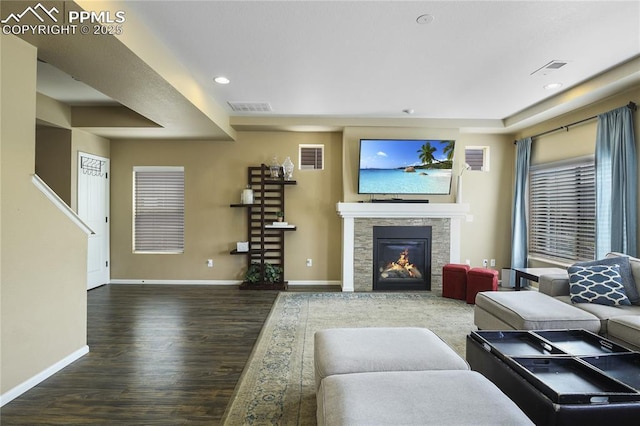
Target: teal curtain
{"x":616,"y":184}
{"x":519,"y":230}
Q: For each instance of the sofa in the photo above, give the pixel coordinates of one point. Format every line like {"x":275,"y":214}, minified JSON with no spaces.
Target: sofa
{"x":552,"y":306}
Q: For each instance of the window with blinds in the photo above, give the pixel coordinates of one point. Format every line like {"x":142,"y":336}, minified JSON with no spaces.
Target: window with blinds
{"x":477,"y":157}
{"x":562,"y":211}
{"x":158,"y":216}
{"x":311,"y":157}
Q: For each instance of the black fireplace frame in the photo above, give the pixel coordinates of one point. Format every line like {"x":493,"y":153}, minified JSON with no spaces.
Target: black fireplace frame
{"x":398,"y":233}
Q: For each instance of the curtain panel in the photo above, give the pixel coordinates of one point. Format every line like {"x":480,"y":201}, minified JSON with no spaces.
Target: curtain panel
{"x":616,"y":184}
{"x":519,"y":228}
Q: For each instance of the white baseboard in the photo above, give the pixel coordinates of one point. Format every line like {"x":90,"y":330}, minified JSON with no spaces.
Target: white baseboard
{"x":216,"y":282}
{"x":12,"y":394}
{"x":316,"y":283}
{"x":176,"y":282}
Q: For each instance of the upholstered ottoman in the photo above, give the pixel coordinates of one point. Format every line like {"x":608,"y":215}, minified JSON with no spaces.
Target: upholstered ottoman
{"x":528,"y":310}
{"x":454,"y":280}
{"x":359,"y":350}
{"x":480,"y":279}
{"x":453,"y":397}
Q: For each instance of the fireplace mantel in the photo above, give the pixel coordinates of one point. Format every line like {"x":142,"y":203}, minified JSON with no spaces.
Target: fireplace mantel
{"x":408,"y":210}
{"x":352,"y":211}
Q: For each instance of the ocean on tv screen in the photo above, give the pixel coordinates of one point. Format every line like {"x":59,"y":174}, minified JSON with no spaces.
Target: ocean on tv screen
{"x":392,"y":166}
{"x":398,"y":181}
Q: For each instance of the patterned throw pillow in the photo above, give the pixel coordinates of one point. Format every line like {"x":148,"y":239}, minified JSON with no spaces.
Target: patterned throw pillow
{"x":625,"y":272}
{"x":601,"y":284}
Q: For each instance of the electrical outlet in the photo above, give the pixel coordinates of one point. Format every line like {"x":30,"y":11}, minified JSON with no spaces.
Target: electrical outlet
{"x":309,"y":262}
{"x":493,"y":262}
{"x":485,"y":262}
{"x":210,"y":263}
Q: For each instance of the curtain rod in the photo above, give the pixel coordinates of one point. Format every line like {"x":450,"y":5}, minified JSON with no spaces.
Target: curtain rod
{"x":631,"y":105}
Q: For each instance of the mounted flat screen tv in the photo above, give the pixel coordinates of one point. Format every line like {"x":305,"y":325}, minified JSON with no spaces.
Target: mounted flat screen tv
{"x":405,"y":167}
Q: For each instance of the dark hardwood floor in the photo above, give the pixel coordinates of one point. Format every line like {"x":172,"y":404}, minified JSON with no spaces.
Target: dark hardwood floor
{"x":158,"y":355}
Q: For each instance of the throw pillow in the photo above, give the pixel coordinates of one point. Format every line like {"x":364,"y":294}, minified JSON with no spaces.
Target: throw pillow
{"x":628,"y":282}
{"x":601,"y":284}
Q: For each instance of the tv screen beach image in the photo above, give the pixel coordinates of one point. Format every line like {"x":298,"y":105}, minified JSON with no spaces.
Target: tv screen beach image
{"x":405,"y":166}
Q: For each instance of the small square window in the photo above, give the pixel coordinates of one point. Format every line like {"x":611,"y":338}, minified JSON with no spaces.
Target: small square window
{"x":311,"y":157}
{"x":477,"y":157}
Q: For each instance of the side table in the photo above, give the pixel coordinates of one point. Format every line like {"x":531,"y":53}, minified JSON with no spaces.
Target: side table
{"x":533,"y":274}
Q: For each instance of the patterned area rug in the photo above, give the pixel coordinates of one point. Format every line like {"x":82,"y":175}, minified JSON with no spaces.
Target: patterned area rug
{"x":277,"y":386}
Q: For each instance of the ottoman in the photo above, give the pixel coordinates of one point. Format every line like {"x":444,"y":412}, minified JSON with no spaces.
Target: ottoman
{"x":480,"y":279}
{"x":454,"y":280}
{"x":359,"y":350}
{"x":529,"y":310}
{"x":453,"y":397}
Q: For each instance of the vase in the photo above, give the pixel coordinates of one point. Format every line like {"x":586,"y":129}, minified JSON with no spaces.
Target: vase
{"x":274,"y":168}
{"x":287,"y":166}
{"x":247,"y":195}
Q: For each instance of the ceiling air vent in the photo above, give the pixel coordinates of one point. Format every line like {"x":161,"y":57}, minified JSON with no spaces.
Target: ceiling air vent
{"x":550,"y":67}
{"x":250,"y":106}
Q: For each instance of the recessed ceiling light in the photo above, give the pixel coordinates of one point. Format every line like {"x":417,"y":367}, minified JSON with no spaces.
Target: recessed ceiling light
{"x":222,"y":80}
{"x":425,"y":19}
{"x":552,"y":86}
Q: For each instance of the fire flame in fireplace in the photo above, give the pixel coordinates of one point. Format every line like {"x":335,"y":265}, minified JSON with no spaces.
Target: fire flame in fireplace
{"x":401,"y":268}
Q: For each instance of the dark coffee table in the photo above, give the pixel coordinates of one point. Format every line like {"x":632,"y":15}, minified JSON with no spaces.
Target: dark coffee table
{"x":561,"y":377}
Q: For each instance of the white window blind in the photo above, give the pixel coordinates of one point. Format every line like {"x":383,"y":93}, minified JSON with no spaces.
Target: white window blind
{"x":158,"y":225}
{"x":311,"y":157}
{"x":562,"y":213}
{"x":477,"y":157}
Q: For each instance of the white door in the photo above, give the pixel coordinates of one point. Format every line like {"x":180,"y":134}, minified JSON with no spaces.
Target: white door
{"x":93,"y":209}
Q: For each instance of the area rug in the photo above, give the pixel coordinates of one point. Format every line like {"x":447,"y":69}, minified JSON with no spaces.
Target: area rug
{"x":277,"y":386}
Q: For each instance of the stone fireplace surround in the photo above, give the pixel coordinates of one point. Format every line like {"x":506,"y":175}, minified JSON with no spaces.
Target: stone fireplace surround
{"x":358,"y":220}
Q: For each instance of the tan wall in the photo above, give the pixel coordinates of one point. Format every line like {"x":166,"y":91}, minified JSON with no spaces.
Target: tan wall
{"x":215,"y":174}
{"x":50,"y":112}
{"x":488,"y":236}
{"x":59,"y":162}
{"x":580,"y":139}
{"x":53,"y":159}
{"x":490,"y":196}
{"x":43,"y":282}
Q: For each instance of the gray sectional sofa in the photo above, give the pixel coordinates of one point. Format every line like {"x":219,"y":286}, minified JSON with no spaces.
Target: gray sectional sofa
{"x":552,"y":308}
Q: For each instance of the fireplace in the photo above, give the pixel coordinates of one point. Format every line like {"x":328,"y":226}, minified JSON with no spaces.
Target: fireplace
{"x":358,"y":220}
{"x":401,"y":258}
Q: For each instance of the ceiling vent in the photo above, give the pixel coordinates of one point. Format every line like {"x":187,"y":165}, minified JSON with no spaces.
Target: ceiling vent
{"x":550,"y":67}
{"x":250,"y":106}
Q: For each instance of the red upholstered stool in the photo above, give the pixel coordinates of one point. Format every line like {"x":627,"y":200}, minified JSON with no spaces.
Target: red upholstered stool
{"x":480,"y":279}
{"x":454,"y":281}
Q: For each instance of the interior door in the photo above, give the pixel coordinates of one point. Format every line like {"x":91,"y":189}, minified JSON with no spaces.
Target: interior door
{"x":93,"y":209}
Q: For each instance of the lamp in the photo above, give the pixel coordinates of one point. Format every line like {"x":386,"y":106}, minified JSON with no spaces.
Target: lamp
{"x":466,"y":166}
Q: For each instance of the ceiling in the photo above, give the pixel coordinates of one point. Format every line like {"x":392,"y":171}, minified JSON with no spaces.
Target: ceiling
{"x":323,"y":65}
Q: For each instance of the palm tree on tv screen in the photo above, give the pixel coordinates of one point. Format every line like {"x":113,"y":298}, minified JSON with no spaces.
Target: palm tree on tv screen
{"x":448,"y":149}
{"x":426,"y":153}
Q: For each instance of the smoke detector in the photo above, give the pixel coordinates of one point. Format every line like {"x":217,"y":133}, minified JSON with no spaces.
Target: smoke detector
{"x":425,"y":19}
